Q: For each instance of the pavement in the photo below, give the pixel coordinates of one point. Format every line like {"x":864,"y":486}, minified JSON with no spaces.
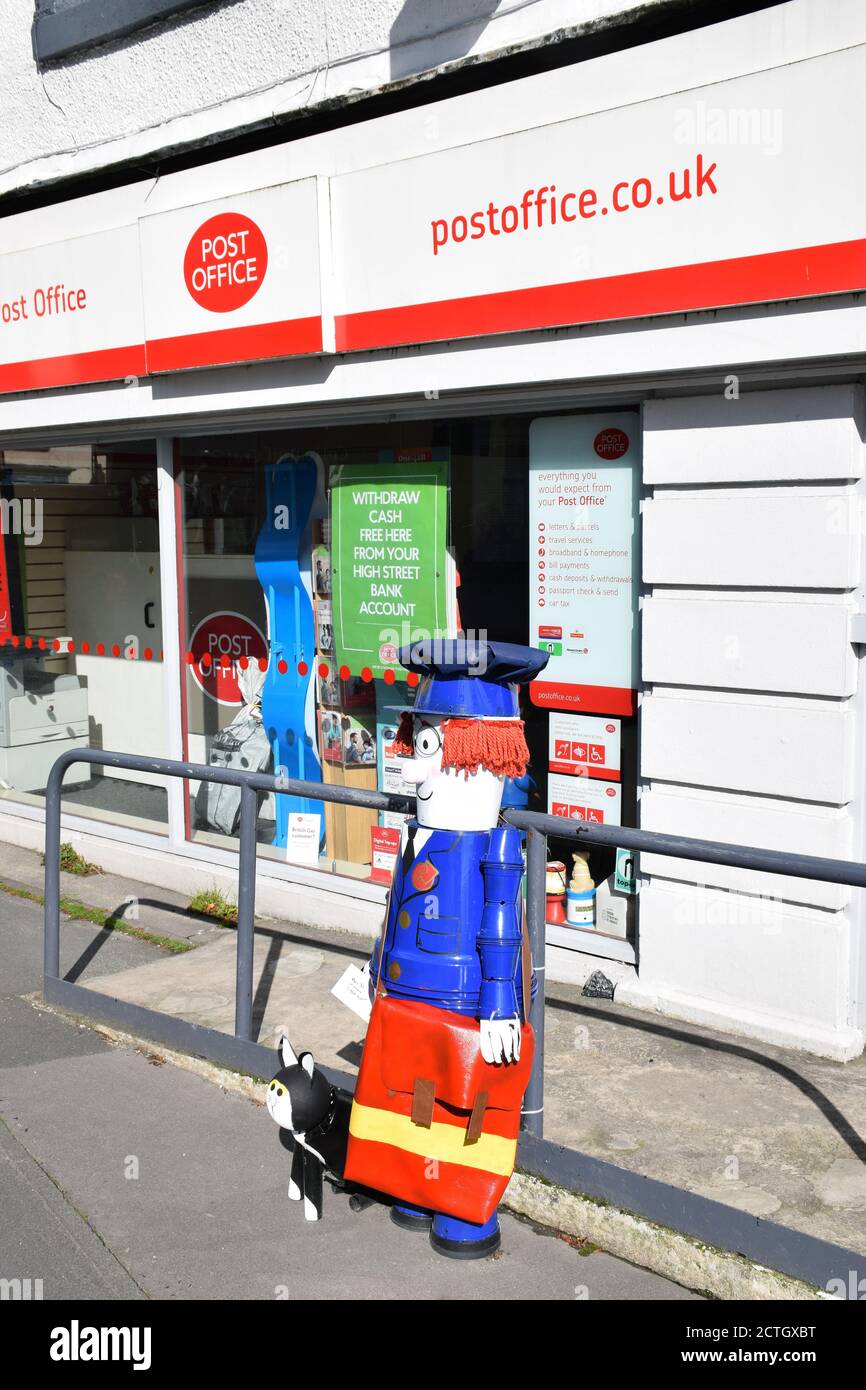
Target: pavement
{"x":123,"y":1177}
{"x":777,"y":1133}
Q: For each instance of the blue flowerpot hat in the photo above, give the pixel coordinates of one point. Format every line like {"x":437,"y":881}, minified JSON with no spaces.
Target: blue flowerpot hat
{"x":470,"y":679}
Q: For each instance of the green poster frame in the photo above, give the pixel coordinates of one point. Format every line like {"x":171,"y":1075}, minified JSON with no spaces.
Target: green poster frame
{"x":389,"y":560}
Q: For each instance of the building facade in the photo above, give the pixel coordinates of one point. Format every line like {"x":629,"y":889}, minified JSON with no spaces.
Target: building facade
{"x":322,"y":327}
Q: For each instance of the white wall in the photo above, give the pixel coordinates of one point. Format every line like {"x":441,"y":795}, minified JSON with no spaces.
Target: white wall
{"x":749,"y":725}
{"x":229,"y":64}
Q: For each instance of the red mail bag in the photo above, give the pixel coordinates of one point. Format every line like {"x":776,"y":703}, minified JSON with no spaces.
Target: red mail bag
{"x":432,"y":1123}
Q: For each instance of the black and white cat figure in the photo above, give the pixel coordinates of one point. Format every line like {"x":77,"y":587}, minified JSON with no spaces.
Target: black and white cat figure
{"x":316,"y":1115}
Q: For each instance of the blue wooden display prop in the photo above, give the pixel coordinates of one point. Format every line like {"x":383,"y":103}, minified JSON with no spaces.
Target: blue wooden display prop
{"x":283,"y":568}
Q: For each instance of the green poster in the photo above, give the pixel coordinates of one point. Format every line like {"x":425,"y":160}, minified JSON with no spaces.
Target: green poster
{"x":389,"y":558}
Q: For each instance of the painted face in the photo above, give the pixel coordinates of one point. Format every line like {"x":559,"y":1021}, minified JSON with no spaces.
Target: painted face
{"x":447,"y":798}
{"x":279,"y":1103}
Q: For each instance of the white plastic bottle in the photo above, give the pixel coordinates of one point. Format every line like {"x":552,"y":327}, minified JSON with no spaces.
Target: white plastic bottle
{"x":580,"y":897}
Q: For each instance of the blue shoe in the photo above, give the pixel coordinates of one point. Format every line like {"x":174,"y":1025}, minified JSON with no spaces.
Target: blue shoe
{"x":462,"y":1240}
{"x":411,"y":1218}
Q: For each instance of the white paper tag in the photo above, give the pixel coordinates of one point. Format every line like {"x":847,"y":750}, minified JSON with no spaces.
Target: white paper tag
{"x":302,"y":845}
{"x":353,"y":990}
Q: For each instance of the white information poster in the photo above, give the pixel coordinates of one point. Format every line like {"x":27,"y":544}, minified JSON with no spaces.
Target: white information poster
{"x":584,"y":745}
{"x":584,"y":798}
{"x":584,"y":479}
{"x":303,"y":839}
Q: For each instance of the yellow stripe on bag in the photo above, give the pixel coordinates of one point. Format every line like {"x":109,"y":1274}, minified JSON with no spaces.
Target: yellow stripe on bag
{"x":490,"y":1153}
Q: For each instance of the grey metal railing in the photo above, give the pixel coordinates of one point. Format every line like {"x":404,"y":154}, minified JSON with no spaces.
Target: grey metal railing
{"x":240,"y":1050}
{"x":793,"y":1252}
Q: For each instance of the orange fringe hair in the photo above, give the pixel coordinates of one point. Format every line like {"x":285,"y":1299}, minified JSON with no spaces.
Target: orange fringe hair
{"x":403,"y":745}
{"x":499,"y":745}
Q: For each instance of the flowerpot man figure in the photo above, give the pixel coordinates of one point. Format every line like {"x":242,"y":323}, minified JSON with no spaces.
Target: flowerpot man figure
{"x":448,"y":1051}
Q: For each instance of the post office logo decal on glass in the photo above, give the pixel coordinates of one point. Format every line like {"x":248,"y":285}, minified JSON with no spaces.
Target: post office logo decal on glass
{"x":611,"y":443}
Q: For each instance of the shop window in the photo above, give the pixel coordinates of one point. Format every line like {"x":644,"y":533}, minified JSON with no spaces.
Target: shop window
{"x":308,"y":556}
{"x":81,"y":626}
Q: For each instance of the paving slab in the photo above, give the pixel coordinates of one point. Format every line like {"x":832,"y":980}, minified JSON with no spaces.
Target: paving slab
{"x":85,"y":949}
{"x":774,"y":1132}
{"x":293,"y":978}
{"x":158,"y":911}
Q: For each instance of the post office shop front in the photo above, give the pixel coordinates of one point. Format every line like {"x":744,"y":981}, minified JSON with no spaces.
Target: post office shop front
{"x":589,"y":378}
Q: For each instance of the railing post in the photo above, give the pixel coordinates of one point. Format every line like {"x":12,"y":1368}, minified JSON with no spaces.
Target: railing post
{"x":51,"y":938}
{"x":532,"y":1118}
{"x":246,"y":914}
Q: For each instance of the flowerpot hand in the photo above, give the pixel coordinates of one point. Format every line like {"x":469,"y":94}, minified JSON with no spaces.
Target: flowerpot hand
{"x":500,"y":1039}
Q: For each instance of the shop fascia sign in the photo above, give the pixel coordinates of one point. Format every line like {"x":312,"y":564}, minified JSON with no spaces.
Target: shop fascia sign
{"x":70,"y":312}
{"x":233,"y":280}
{"x":745,"y":191}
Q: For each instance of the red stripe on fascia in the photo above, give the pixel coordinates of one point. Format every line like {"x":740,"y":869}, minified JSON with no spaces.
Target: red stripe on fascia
{"x":607,"y":774}
{"x":593,"y":699}
{"x":809,"y":270}
{"x":219,"y":346}
{"x":74,"y":369}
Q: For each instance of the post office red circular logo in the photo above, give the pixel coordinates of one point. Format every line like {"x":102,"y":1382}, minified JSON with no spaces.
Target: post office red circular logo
{"x":611,"y":443}
{"x":225,"y":262}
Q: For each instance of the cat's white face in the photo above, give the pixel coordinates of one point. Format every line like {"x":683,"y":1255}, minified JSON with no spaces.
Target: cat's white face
{"x":279,"y":1104}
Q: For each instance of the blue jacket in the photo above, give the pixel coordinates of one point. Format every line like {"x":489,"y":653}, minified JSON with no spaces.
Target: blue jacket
{"x":453,"y":932}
